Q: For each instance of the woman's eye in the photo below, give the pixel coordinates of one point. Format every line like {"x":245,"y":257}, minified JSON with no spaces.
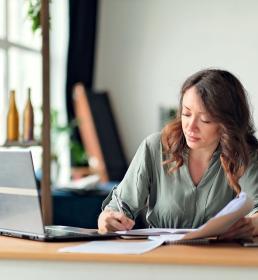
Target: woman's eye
{"x":206,"y":121}
{"x":186,"y":114}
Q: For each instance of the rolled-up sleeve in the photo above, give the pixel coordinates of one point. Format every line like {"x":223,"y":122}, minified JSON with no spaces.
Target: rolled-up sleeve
{"x":134,"y":188}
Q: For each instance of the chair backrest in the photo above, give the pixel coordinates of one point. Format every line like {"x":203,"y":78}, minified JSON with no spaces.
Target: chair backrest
{"x":99,"y":133}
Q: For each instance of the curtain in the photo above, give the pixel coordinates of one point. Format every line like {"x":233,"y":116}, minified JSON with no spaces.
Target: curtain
{"x":81,"y":46}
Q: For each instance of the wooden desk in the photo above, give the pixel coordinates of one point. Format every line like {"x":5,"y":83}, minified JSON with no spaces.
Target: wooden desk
{"x":23,"y":259}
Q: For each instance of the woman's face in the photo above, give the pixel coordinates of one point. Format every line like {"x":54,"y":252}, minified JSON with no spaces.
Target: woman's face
{"x":200,"y":131}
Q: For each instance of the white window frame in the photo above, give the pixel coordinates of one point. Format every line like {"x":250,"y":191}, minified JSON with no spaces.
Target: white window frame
{"x":58,"y":52}
{"x":6,"y":45}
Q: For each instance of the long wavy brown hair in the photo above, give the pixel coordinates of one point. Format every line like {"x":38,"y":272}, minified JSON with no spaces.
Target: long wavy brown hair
{"x":224,"y":97}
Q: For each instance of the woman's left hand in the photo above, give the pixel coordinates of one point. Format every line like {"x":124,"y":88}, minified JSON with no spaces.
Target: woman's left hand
{"x":242,"y":229}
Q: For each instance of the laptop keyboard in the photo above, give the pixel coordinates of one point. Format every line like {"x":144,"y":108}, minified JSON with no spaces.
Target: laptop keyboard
{"x":56,"y":231}
{"x":60,"y":232}
{"x":66,"y":232}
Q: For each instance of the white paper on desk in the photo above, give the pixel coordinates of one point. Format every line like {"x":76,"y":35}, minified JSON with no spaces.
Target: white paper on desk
{"x":169,"y":238}
{"x":178,"y":239}
{"x":114,"y":247}
{"x":154,"y":231}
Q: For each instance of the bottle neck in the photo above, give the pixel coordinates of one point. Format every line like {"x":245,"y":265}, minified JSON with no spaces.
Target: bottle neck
{"x":12,"y":100}
{"x":29,"y":94}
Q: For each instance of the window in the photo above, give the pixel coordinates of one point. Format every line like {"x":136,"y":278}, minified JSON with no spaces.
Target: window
{"x":2,"y":18}
{"x":21,"y":65}
{"x":20,"y":61}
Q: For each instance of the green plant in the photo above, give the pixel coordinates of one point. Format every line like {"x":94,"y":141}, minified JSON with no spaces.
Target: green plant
{"x":79,"y":156}
{"x":33,"y":13}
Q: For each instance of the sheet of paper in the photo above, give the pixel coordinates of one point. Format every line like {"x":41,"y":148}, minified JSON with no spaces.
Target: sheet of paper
{"x":167,"y":238}
{"x":231,"y":213}
{"x":155,"y":231}
{"x":178,"y":239}
{"x":114,"y":247}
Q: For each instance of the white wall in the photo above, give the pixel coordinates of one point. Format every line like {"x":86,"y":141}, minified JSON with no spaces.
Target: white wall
{"x":146,"y":49}
{"x":58,"y":46}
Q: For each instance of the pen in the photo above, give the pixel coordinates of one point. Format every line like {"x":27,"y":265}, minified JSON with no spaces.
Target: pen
{"x":118,"y":202}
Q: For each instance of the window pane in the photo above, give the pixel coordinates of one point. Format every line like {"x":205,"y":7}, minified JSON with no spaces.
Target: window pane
{"x":2,"y":18}
{"x":19,"y":26}
{"x":3,"y":97}
{"x":25,"y":72}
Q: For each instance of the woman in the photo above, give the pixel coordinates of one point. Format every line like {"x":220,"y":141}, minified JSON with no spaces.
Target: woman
{"x":198,"y":164}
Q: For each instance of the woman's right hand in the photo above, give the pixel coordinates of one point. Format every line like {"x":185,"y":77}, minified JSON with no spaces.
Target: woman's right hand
{"x":110,"y":220}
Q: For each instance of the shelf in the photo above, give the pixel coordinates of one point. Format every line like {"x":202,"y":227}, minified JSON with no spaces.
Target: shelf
{"x":21,"y":144}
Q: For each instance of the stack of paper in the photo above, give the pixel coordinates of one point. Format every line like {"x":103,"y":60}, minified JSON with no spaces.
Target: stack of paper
{"x":231,"y":213}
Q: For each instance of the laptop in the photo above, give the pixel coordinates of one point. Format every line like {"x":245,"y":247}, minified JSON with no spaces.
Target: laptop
{"x":20,"y":209}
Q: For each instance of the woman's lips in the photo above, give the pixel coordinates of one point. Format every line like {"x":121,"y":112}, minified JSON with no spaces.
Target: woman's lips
{"x":192,"y":138}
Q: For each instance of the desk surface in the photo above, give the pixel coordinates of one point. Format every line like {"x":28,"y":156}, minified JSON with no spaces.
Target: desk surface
{"x":219,"y":254}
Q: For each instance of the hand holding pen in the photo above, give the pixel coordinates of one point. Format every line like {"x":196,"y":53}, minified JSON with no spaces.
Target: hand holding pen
{"x":122,"y":206}
{"x":110,"y":220}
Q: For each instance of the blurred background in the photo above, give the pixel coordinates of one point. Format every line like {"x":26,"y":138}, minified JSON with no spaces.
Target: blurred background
{"x":138,"y":51}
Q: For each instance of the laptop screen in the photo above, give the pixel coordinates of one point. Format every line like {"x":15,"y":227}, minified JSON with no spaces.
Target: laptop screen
{"x":19,"y":200}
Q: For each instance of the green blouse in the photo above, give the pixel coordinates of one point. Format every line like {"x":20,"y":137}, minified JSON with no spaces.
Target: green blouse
{"x":173,"y":201}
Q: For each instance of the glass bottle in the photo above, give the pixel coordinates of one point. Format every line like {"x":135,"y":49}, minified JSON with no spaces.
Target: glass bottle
{"x":12,"y":119}
{"x":28,"y":119}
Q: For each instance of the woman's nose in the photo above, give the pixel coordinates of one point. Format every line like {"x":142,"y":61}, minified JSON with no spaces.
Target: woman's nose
{"x":192,"y":124}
